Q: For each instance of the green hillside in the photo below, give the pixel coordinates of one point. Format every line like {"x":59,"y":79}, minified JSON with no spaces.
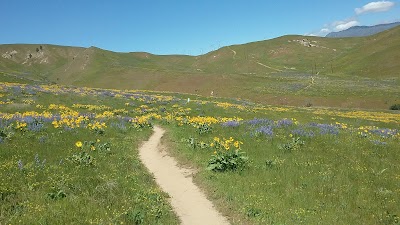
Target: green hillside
{"x":289,"y":70}
{"x":377,"y":57}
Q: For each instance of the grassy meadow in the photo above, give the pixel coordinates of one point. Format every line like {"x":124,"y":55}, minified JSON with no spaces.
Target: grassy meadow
{"x":69,"y":156}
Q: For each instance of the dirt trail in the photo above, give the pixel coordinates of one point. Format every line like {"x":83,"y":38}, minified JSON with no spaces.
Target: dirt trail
{"x":189,"y":203}
{"x":234,"y":52}
{"x":269,"y":67}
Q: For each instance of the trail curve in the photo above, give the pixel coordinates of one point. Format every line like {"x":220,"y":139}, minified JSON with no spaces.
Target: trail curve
{"x":189,"y":203}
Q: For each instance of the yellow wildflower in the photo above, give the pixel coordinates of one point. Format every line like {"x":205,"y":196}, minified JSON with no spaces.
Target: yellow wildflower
{"x":78,"y":144}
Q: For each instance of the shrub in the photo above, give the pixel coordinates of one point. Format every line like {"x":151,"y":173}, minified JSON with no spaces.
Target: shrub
{"x":194,"y":143}
{"x":82,"y":158}
{"x":135,"y":216}
{"x":293,"y":145}
{"x":227,"y":161}
{"x":227,"y":155}
{"x":56,"y":193}
{"x":395,"y":107}
{"x":204,"y":128}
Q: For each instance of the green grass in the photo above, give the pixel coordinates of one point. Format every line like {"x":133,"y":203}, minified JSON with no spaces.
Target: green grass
{"x":345,"y":173}
{"x":44,"y":179}
{"x":116,"y":189}
{"x":331,"y":179}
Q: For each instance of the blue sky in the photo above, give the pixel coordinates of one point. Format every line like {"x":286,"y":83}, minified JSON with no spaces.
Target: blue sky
{"x":180,"y":26}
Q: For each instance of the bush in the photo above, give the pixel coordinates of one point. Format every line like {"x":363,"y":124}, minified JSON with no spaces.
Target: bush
{"x":82,"y":158}
{"x":395,"y":107}
{"x":227,"y":161}
{"x":293,"y":145}
{"x":227,"y":155}
{"x":204,"y":128}
{"x":194,"y":143}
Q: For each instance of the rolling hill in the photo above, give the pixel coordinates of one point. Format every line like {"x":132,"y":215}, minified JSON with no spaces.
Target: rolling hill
{"x":358,"y":72}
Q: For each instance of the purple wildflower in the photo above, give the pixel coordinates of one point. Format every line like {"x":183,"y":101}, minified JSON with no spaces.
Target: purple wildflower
{"x":377,"y":142}
{"x":4,"y":123}
{"x":284,"y":123}
{"x":257,"y":121}
{"x":88,"y":115}
{"x":28,"y":119}
{"x":119,"y":125}
{"x":37,"y":160}
{"x":385,"y":132}
{"x":264,"y":130}
{"x":231,"y":123}
{"x":39,"y":163}
{"x":326,"y":128}
{"x":35,"y":126}
{"x":42,"y":139}
{"x":16,"y":89}
{"x":126,"y":119}
{"x":304,"y":133}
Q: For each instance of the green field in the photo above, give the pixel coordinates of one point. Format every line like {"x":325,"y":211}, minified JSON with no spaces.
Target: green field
{"x":297,"y":130}
{"x":69,"y":156}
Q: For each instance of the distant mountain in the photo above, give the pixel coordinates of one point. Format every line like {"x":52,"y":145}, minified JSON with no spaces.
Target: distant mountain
{"x":362,"y":31}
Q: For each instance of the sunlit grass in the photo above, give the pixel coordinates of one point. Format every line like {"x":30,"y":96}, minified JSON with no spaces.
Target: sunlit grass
{"x":69,"y":155}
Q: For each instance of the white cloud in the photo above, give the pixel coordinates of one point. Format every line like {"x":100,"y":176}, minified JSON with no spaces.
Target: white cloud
{"x":379,"y":6}
{"x":343,"y":25}
{"x":325,"y":30}
{"x":335,"y":27}
{"x":321,"y":33}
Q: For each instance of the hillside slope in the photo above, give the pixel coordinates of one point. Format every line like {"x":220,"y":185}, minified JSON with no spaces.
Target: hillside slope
{"x":377,"y":57}
{"x":290,"y":70}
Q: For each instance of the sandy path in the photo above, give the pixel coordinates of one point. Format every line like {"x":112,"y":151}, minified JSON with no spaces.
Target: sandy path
{"x":189,"y":203}
{"x":234,"y":52}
